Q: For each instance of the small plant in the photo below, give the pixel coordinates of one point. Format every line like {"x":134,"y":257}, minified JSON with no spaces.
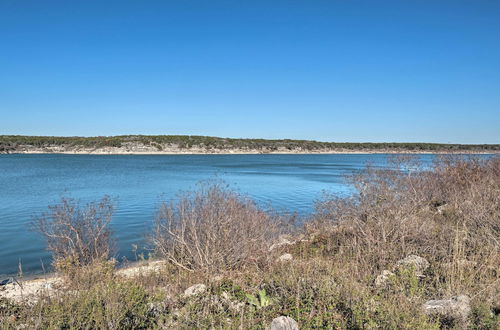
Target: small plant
{"x":260,"y":301}
{"x":406,"y":282}
{"x":485,"y":318}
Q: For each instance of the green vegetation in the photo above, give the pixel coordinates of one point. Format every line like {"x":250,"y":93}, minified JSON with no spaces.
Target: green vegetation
{"x":13,"y":143}
{"x":449,"y":215}
{"x":262,"y":300}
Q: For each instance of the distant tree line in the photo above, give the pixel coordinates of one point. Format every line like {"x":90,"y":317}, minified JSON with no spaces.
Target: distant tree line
{"x":11,"y":143}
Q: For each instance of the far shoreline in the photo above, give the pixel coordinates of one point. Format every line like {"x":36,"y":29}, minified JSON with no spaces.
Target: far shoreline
{"x":207,"y":145}
{"x":188,"y":153}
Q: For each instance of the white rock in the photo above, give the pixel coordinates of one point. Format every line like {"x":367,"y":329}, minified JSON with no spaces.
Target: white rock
{"x":285,"y":257}
{"x":30,"y":290}
{"x":456,"y":309}
{"x":284,"y":323}
{"x":419,"y":264}
{"x":195,"y":290}
{"x":142,"y":269}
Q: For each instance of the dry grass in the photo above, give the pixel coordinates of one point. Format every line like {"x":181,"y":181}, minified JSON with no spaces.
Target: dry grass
{"x":449,"y":214}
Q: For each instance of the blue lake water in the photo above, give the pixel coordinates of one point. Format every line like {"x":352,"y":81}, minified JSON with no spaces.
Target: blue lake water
{"x":29,"y":183}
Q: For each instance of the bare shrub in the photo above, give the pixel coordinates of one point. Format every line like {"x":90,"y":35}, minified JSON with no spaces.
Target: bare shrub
{"x":77,"y":236}
{"x":449,"y":213}
{"x":213,"y":229}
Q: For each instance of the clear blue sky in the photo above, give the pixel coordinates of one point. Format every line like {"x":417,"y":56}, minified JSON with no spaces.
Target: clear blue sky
{"x":341,"y":70}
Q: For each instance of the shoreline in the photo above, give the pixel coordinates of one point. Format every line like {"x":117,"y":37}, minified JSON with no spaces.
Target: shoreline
{"x":27,"y":287}
{"x":187,"y":153}
{"x":206,"y":145}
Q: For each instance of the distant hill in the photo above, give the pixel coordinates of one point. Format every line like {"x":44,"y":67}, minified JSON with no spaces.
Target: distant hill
{"x":173,"y":144}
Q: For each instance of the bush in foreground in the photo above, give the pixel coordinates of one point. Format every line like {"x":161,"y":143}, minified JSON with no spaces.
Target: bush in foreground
{"x":213,"y":229}
{"x":78,"y":237}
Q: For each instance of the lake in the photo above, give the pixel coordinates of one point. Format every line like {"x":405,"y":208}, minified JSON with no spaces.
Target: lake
{"x":138,"y":183}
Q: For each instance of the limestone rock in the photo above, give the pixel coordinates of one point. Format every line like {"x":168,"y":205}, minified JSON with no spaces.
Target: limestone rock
{"x":284,"y":323}
{"x":195,"y":290}
{"x":456,"y":309}
{"x":285,"y":257}
{"x":419,"y":264}
{"x":29,"y":291}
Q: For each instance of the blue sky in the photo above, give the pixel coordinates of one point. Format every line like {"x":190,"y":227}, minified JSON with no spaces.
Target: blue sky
{"x":347,"y":70}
